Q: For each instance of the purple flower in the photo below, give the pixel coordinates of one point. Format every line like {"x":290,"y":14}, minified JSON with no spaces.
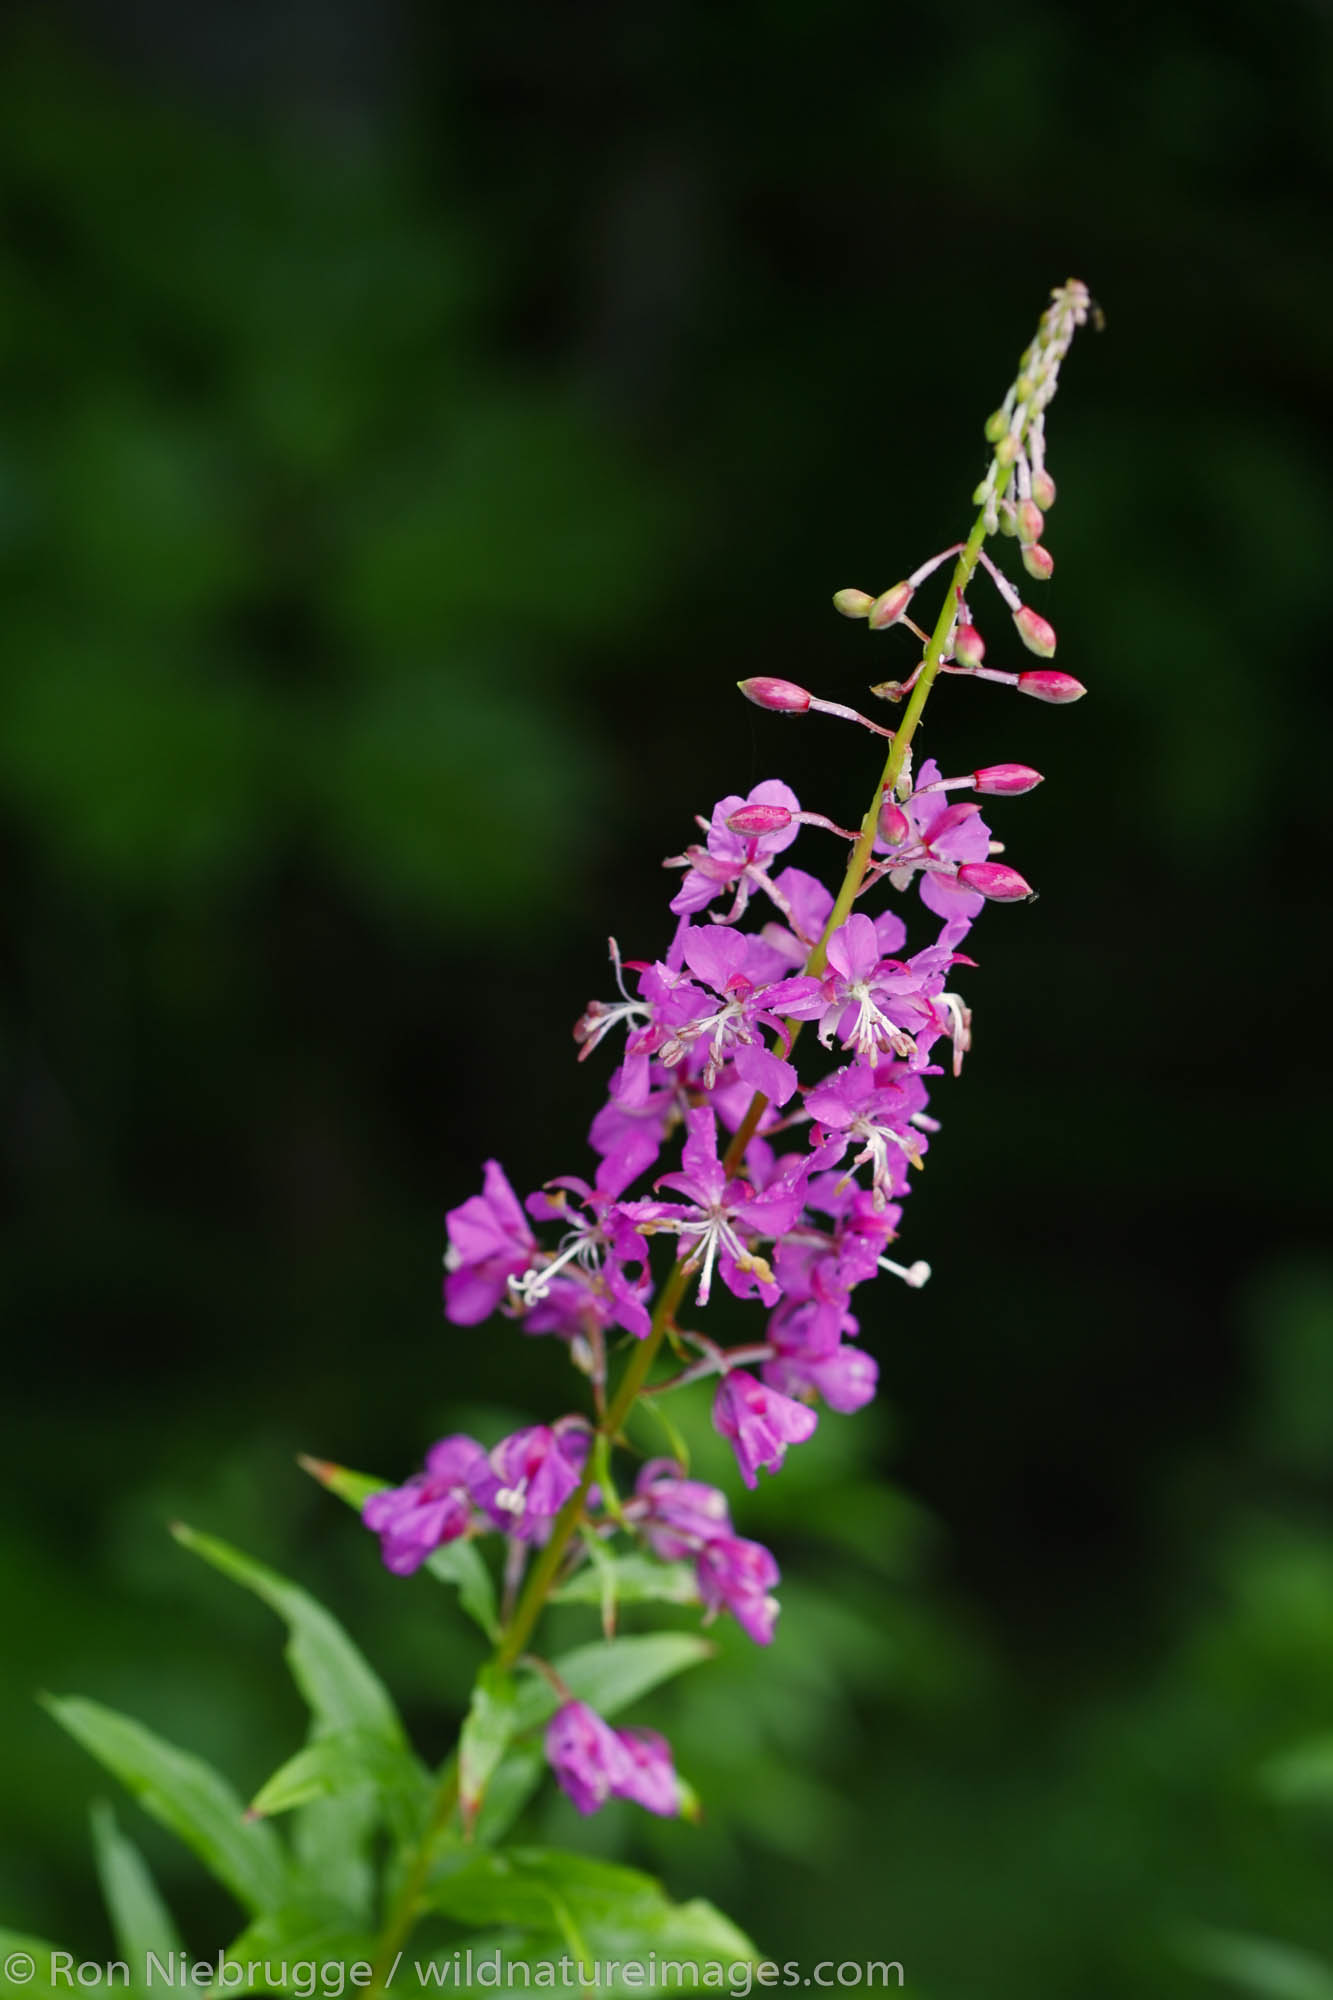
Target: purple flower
{"x":601,"y":1267}
{"x":529,"y":1475}
{"x":739,"y":1576}
{"x":876,"y":1106}
{"x":759,"y":1423}
{"x":429,"y":1510}
{"x":741,"y":971}
{"x":594,"y":1762}
{"x":652,"y":1783}
{"x":678,"y":1515}
{"x":709,"y":1232}
{"x":869,"y":1001}
{"x":489,"y":1243}
{"x":846,"y":1378}
{"x":588,"y":1758}
{"x":730,"y":859}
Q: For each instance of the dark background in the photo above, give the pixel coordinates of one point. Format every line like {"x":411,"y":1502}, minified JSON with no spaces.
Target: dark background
{"x":412,"y":428}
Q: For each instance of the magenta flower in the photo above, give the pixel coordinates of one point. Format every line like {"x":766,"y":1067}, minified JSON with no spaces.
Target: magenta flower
{"x":869,"y":1001}
{"x":529,"y":1475}
{"x":738,"y":1576}
{"x":652,"y":1782}
{"x":875,"y":1107}
{"x":711,"y":1231}
{"x":741,"y":970}
{"x":678,"y":1515}
{"x":489,"y":1243}
{"x":733,"y":860}
{"x":759,"y":1423}
{"x":415,"y":1519}
{"x":589,"y":1760}
{"x":846,"y":1378}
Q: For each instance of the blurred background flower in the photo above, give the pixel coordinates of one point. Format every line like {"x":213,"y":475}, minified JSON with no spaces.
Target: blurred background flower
{"x":412,"y":428}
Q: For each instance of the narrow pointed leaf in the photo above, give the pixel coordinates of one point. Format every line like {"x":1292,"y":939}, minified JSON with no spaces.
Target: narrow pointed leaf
{"x":637,"y":1580}
{"x":346,"y":1761}
{"x":343,"y":1691}
{"x":185,"y":1795}
{"x":140,"y":1921}
{"x":1261,"y":1966}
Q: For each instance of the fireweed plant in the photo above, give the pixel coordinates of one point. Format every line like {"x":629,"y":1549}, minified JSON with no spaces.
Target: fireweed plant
{"x":786,"y":1189}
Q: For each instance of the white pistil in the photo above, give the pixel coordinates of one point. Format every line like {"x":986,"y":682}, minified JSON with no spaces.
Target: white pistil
{"x":915,"y":1275}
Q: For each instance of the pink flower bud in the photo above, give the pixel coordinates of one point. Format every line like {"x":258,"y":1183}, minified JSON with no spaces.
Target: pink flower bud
{"x":894,"y":825}
{"x":969,"y":648}
{"x":1043,"y":490}
{"x":852,"y":603}
{"x":756,"y":819}
{"x":889,"y":607}
{"x":783,"y":696}
{"x":1036,"y":634}
{"x":1030,"y":521}
{"x":996,"y":882}
{"x":1047,"y":684}
{"x":1006,"y":779}
{"x":1038,"y":562}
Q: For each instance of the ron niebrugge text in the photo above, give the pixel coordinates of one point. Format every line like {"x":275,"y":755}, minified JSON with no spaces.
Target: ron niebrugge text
{"x":326,"y":1979}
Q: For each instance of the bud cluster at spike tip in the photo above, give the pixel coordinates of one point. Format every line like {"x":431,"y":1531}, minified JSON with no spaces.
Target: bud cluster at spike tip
{"x":714,"y":1158}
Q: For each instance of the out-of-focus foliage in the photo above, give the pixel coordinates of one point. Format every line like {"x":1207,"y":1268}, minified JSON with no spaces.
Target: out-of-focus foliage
{"x":394,"y":479}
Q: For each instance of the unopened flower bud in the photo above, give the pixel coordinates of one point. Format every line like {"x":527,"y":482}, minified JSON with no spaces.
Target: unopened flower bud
{"x":852,"y":603}
{"x":1006,"y":451}
{"x":894,"y":825}
{"x":1048,"y":684}
{"x":996,"y":882}
{"x":1033,"y":630}
{"x":1038,"y":562}
{"x":969,"y":648}
{"x":1023,"y":387}
{"x":889,"y":606}
{"x":753,"y":820}
{"x":1043,"y":489}
{"x":1008,"y":515}
{"x":997,"y":426}
{"x":1030,"y":522}
{"x":783,"y":696}
{"x":1006,"y":779}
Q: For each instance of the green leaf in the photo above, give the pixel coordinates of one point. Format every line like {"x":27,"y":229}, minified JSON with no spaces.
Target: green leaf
{"x":1261,"y":1966}
{"x":331,"y":1838}
{"x":347,"y":1761}
{"x":611,"y":1677}
{"x":1305,"y":1772}
{"x":14,"y":1948}
{"x":614,"y":1912}
{"x":514,"y":1783}
{"x":459,"y":1562}
{"x":487,"y":1728}
{"x":140,"y":1920}
{"x":185,"y":1795}
{"x":315,"y":1930}
{"x":341,"y":1689}
{"x":637,"y":1580}
{"x":462,"y":1563}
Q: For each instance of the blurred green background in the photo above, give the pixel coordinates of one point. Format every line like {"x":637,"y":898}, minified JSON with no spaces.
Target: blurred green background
{"x":412,"y":428}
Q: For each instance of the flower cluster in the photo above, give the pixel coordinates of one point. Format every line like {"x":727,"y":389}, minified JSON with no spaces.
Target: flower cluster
{"x":785,"y":1190}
